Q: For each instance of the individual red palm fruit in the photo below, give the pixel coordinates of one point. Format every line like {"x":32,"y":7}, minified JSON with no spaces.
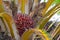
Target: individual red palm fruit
{"x":23,"y":22}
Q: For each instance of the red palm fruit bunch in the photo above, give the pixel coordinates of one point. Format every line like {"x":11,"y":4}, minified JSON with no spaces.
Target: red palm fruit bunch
{"x":23,"y":22}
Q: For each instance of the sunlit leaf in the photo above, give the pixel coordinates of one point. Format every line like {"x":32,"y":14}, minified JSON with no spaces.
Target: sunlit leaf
{"x":47,"y":6}
{"x":58,"y":13}
{"x":48,"y":16}
{"x":56,"y":2}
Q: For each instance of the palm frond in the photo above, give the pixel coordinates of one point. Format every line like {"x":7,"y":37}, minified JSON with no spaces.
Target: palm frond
{"x":56,"y":31}
{"x":47,"y":6}
{"x":48,"y":15}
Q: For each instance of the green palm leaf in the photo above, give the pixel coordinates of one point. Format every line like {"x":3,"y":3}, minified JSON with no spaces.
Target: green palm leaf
{"x":58,"y":13}
{"x":56,"y":2}
{"x":48,"y":15}
{"x":1,"y":8}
